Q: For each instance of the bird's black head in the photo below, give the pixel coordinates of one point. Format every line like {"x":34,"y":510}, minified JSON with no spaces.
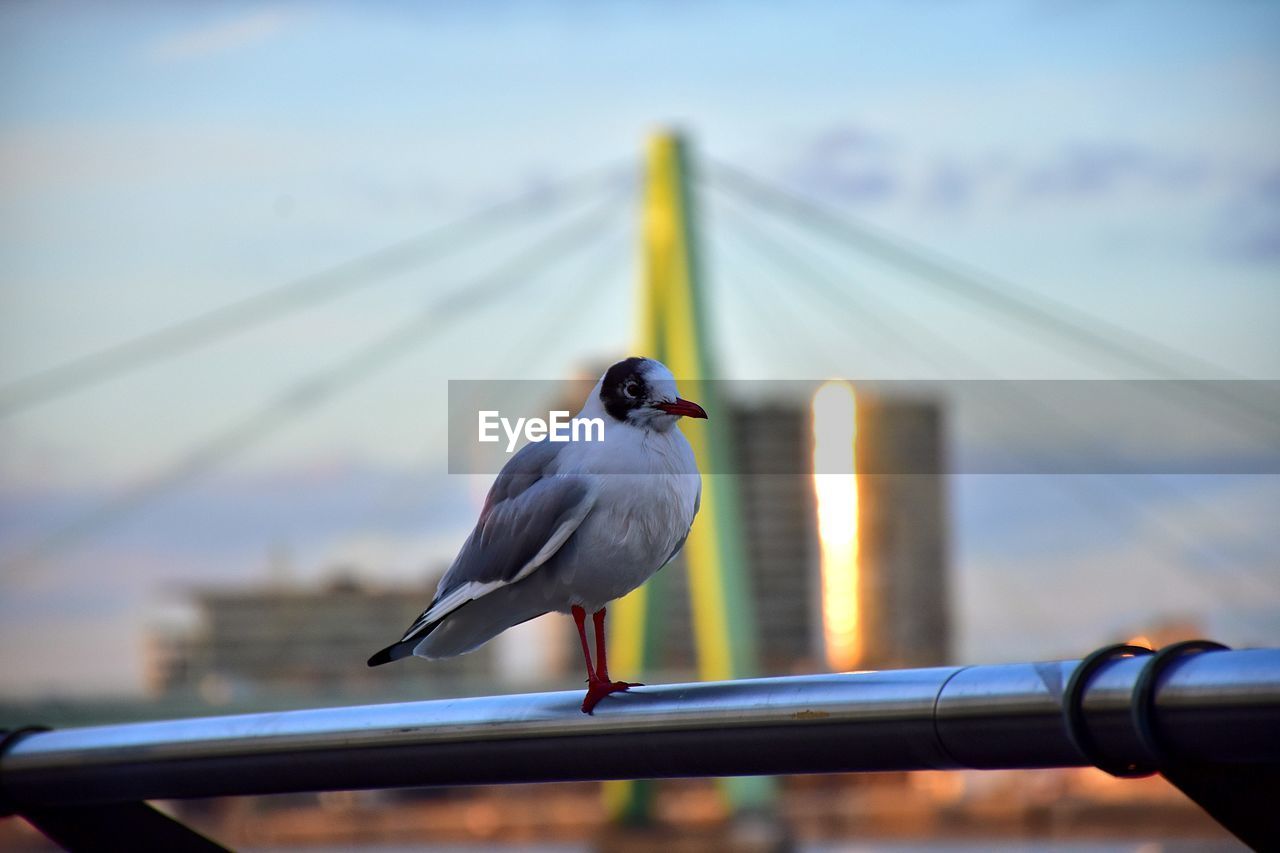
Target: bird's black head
{"x":642,"y":392}
{"x":625,"y":388}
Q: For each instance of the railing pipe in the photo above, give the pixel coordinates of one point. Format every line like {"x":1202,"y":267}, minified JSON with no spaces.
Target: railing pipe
{"x":1221,"y":707}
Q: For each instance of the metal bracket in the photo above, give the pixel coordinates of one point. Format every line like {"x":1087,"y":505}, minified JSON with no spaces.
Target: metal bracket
{"x":102,"y":828}
{"x":1241,"y":797}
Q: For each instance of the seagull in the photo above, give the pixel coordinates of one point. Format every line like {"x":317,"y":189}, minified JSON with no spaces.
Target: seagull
{"x":570,"y":526}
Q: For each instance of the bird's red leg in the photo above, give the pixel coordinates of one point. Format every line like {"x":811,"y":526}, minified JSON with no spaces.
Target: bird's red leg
{"x":580,"y":617}
{"x":602,"y":668}
{"x":599,"y":685}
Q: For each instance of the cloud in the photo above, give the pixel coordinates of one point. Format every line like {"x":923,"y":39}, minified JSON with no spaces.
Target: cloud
{"x":1249,"y":225}
{"x":843,"y":140}
{"x":853,"y":163}
{"x":1233,"y":198}
{"x":222,"y":37}
{"x":857,"y":165}
{"x":950,"y":185}
{"x":1101,"y":167}
{"x":1259,"y":243}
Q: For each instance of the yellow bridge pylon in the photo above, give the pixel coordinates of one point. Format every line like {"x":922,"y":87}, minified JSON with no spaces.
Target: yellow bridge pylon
{"x":673,"y":329}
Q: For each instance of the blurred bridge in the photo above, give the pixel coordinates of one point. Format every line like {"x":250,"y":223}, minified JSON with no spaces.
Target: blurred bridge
{"x":1020,"y":721}
{"x":793,"y":237}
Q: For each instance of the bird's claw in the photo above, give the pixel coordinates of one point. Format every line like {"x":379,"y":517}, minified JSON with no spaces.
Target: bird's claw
{"x":597,"y":689}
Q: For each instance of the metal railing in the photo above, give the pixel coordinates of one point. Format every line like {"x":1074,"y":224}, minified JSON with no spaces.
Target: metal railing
{"x":1217,"y":709}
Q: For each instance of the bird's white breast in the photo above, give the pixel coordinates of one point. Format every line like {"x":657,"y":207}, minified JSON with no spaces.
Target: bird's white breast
{"x":648,"y":488}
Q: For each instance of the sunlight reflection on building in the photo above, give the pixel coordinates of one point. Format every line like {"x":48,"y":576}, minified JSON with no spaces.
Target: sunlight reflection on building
{"x":836,"y":488}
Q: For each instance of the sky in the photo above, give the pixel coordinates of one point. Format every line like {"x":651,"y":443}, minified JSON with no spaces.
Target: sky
{"x":160,"y":160}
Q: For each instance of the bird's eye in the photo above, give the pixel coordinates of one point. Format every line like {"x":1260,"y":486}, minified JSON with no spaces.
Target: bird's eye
{"x":631,"y":389}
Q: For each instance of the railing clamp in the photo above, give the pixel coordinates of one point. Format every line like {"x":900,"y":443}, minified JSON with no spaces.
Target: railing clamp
{"x":1142,"y":704}
{"x":1073,"y":711}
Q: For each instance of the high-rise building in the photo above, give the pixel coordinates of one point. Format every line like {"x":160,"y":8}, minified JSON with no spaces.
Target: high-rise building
{"x":904,"y":597}
{"x":903,"y":609}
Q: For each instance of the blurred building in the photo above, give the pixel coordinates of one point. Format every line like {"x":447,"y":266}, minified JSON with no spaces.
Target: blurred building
{"x":299,"y":639}
{"x":905,"y":612}
{"x":903,"y":592}
{"x":771,"y":452}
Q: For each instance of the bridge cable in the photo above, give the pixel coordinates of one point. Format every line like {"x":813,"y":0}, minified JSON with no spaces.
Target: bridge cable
{"x":796,"y":268}
{"x":528,"y":350}
{"x":300,"y":293}
{"x":517,"y":273}
{"x":948,"y":276}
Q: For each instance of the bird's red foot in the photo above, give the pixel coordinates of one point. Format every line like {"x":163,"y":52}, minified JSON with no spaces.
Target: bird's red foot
{"x":597,"y":689}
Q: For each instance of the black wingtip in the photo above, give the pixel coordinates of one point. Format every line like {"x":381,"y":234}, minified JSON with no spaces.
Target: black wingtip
{"x":387,"y":655}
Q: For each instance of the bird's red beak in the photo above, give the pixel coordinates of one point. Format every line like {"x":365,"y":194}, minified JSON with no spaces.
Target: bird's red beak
{"x":683,"y":407}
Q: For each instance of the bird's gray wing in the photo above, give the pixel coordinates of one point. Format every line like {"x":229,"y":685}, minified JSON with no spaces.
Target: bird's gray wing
{"x":527,"y":517}
{"x":697,"y":504}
